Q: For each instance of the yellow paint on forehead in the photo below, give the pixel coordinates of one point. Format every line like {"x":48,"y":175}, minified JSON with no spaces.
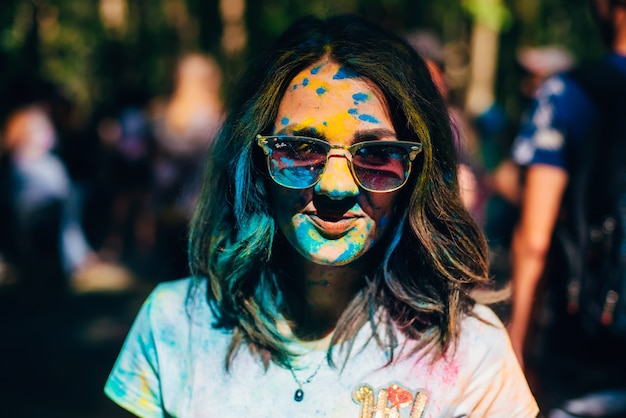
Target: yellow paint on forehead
{"x":316,"y":99}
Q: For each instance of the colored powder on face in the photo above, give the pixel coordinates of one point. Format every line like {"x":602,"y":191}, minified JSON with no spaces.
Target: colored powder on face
{"x":295,"y":86}
{"x":325,"y":123}
{"x":343,"y":73}
{"x":368,"y":118}
{"x":351,"y":252}
{"x":360,"y":97}
{"x":316,"y":69}
{"x":305,"y":82}
{"x":284,"y":121}
{"x":320,"y":91}
{"x":353,"y":111}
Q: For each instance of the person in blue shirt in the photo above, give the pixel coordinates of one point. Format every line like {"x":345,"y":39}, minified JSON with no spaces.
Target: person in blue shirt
{"x":550,"y":140}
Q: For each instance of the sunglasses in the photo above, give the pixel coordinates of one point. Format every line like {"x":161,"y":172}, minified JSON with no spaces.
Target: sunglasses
{"x":298,"y":162}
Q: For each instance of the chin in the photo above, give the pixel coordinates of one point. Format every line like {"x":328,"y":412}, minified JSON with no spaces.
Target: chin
{"x":333,"y":256}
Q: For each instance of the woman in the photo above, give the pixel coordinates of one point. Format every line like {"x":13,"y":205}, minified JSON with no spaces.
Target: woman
{"x":333,"y":260}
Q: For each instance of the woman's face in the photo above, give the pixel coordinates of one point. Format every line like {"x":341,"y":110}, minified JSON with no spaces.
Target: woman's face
{"x":335,"y":221}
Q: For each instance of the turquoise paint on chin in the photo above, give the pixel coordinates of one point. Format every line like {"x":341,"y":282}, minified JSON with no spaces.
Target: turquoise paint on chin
{"x":350,"y":254}
{"x":312,"y":248}
{"x":307,"y":240}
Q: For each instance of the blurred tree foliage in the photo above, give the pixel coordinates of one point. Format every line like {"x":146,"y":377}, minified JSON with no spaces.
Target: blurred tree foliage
{"x":99,"y":54}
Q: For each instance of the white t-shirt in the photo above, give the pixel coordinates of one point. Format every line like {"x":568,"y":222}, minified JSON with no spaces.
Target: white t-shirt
{"x":172,"y":365}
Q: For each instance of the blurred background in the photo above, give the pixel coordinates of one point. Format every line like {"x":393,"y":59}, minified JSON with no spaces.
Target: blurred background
{"x":107,"y":106}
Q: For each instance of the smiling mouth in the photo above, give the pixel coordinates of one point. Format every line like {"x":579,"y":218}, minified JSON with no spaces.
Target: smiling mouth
{"x":333,"y":227}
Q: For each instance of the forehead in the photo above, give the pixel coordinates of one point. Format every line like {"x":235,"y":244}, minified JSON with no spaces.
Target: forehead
{"x":327,"y":95}
{"x":327,"y":78}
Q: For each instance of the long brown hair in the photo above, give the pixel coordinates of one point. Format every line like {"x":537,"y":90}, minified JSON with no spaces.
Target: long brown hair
{"x":436,"y":253}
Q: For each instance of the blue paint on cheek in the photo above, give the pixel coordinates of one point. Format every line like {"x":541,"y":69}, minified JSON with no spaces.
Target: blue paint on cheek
{"x":360,"y":97}
{"x":353,"y":111}
{"x":316,"y":69}
{"x":320,"y":91}
{"x":305,"y":82}
{"x":369,"y":118}
{"x":343,"y":73}
{"x":295,"y":86}
{"x":284,"y":121}
{"x":325,"y":123}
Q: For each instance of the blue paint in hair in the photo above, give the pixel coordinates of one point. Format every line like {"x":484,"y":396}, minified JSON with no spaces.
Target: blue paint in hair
{"x":397,"y":235}
{"x":344,"y":73}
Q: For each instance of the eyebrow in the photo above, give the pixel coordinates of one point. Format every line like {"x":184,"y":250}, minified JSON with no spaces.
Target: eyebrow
{"x":359,"y":136}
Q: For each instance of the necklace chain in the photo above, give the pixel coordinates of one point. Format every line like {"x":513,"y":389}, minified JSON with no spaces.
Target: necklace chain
{"x":299,"y":393}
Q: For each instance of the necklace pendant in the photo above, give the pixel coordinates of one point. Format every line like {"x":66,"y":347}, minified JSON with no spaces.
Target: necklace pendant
{"x":299,"y":395}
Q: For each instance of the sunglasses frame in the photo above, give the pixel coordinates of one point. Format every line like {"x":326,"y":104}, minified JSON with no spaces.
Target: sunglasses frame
{"x":412,"y":149}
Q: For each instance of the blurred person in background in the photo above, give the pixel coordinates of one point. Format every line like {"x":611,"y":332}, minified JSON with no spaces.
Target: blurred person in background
{"x":41,"y":236}
{"x":504,"y":179}
{"x":128,"y":164}
{"x":183,"y":126}
{"x":538,"y":64}
{"x":551,"y":139}
{"x":334,"y":264}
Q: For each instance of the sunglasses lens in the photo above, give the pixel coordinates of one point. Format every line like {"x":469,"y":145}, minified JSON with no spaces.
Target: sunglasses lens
{"x":294,"y":163}
{"x":381,"y":167}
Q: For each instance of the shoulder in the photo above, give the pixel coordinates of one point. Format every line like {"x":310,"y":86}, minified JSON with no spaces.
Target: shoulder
{"x":175,"y":290}
{"x":560,"y":116}
{"x":493,"y":381}
{"x":481,"y":324}
{"x":483,"y":340}
{"x":477,"y":376}
{"x":567,"y":98}
{"x":175,"y":302}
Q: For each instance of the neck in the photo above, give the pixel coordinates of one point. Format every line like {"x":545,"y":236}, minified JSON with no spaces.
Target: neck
{"x":317,"y":295}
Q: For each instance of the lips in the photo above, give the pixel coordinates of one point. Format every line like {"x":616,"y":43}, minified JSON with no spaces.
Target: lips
{"x":333,"y":227}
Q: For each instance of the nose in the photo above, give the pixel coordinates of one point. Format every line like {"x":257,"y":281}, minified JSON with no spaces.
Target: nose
{"x":337,"y":181}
